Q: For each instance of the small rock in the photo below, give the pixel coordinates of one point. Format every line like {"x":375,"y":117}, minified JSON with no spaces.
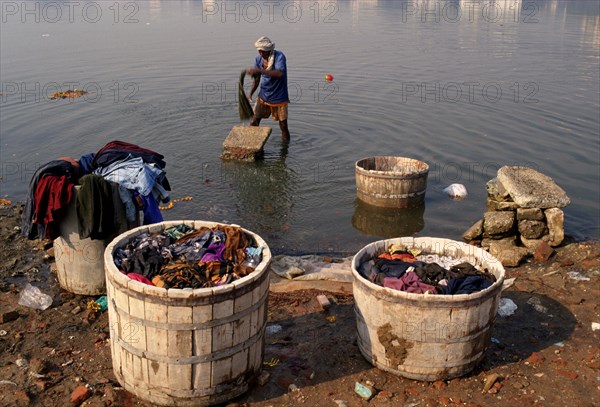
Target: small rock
{"x":37,"y":366}
{"x":445,"y":401}
{"x":440,"y":384}
{"x":543,"y":251}
{"x":566,"y":262}
{"x":567,"y":373}
{"x":22,"y":397}
{"x":412,"y":392}
{"x":384,"y":394}
{"x":79,"y":395}
{"x":263,"y":378}
{"x":41,"y":385}
{"x":474,"y":231}
{"x":340,"y":403}
{"x":8,"y":316}
{"x":293,"y":388}
{"x":535,"y":358}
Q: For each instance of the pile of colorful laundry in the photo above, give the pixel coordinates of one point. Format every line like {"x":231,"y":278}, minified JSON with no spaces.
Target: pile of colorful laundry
{"x":118,"y":183}
{"x":182,"y":257}
{"x":407,"y":270}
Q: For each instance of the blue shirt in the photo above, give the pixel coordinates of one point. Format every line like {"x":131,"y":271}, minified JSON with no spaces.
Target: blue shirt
{"x":273,"y":90}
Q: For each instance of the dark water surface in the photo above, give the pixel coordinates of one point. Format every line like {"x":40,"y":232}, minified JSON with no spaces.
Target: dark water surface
{"x":466,"y":86}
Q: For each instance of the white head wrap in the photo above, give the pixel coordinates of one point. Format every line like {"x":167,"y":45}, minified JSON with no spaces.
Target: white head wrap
{"x":264,"y":44}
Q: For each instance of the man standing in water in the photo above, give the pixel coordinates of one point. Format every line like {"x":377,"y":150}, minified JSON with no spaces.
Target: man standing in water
{"x":273,"y":96}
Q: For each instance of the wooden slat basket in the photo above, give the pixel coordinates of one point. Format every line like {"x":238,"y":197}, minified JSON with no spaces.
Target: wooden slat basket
{"x":184,"y":347}
{"x":425,"y":337}
{"x":391,"y":182}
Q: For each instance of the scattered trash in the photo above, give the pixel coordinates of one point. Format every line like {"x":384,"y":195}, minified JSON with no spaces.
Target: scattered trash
{"x":506,"y":307}
{"x":312,"y":267}
{"x":577,"y":276}
{"x":3,"y":332}
{"x":273,"y":329}
{"x":7,"y":382}
{"x":67,"y":363}
{"x":5,"y":202}
{"x":539,"y":374}
{"x":329,"y":77}
{"x":272,"y":363}
{"x":495,"y":340}
{"x":37,"y":375}
{"x":173,"y":202}
{"x":508,"y":282}
{"x":71,"y":94}
{"x":21,"y":362}
{"x":560,"y":344}
{"x":293,"y":388}
{"x":537,"y":305}
{"x":341,"y":403}
{"x":45,"y":35}
{"x":103,"y":302}
{"x":551,"y":273}
{"x":456,"y":191}
{"x":331,"y":319}
{"x":263,"y":378}
{"x":366,"y":392}
{"x":323,"y":301}
{"x":489,"y":382}
{"x":595,"y":326}
{"x":99,"y":305}
{"x":33,"y":297}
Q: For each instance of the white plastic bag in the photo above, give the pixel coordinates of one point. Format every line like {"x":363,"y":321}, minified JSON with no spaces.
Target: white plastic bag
{"x":457,"y":191}
{"x":506,"y":307}
{"x":33,"y":297}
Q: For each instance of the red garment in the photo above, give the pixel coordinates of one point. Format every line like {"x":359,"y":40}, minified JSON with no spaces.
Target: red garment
{"x":74,"y":163}
{"x":409,"y":282}
{"x":140,"y":278}
{"x":51,"y":199}
{"x":123,"y":145}
{"x":409,"y":258}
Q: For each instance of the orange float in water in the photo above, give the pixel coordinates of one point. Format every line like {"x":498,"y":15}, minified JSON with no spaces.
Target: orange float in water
{"x":329,"y":77}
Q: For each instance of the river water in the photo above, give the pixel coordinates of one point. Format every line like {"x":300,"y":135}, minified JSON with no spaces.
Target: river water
{"x":466,"y":86}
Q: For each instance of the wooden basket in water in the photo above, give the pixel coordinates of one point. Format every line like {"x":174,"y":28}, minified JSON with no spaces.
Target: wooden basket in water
{"x":391,"y":182}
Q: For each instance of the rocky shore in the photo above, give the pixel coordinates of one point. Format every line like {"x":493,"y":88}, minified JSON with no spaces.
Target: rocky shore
{"x":546,"y":353}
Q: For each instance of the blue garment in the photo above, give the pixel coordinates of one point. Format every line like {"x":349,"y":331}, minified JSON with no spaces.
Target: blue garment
{"x":465,"y":285}
{"x":273,"y":90}
{"x":151,"y":211}
{"x":85,"y":163}
{"x":132,"y":173}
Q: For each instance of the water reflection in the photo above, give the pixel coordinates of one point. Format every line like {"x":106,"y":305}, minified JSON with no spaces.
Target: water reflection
{"x":387,"y":222}
{"x":264,"y":191}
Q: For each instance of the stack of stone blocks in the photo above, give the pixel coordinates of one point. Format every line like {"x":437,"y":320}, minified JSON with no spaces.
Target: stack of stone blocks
{"x":523,"y":215}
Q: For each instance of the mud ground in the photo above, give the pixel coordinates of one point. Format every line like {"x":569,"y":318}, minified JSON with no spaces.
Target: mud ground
{"x":545,"y":354}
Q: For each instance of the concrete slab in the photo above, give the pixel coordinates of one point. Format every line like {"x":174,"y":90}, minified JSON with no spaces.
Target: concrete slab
{"x":245,"y":142}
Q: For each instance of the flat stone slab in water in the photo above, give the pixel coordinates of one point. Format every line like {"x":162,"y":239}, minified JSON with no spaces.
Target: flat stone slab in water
{"x":532,"y":189}
{"x":245,"y":142}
